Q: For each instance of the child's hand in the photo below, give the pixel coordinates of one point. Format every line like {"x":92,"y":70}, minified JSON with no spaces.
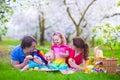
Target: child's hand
{"x":61,"y":53}
{"x":64,"y":54}
{"x":35,"y":56}
{"x":38,"y":60}
{"x":71,"y":62}
{"x":29,"y":57}
{"x":49,"y":62}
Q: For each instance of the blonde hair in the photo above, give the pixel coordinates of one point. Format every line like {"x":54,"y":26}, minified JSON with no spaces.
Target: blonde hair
{"x":63,"y":39}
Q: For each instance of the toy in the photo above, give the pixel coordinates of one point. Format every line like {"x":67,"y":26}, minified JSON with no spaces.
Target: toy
{"x":98,"y":67}
{"x":92,"y":66}
{"x":31,"y":69}
{"x":40,"y":54}
{"x":36,"y":68}
{"x":98,"y":52}
{"x":86,"y":66}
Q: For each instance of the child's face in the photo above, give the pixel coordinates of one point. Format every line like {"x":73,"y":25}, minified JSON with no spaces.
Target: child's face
{"x":49,"y":56}
{"x":57,"y":40}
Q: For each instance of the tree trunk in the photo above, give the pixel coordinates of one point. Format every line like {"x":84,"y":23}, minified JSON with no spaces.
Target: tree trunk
{"x":0,"y":38}
{"x":77,"y":31}
{"x":42,"y":29}
{"x":68,"y":38}
{"x":42,"y":33}
{"x":93,"y":42}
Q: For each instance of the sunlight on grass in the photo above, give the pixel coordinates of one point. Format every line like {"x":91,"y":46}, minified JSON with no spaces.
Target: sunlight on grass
{"x":8,"y":41}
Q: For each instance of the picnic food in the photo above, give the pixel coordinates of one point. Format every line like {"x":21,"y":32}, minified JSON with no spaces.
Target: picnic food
{"x":70,"y":59}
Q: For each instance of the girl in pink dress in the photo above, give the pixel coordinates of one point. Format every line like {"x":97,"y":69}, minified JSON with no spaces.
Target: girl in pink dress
{"x":78,"y":54}
{"x":60,"y":51}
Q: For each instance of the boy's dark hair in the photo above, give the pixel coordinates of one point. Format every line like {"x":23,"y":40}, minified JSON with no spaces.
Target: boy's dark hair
{"x":27,"y":41}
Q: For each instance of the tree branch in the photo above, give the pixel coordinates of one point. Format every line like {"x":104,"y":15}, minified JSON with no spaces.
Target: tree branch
{"x":70,"y":15}
{"x":109,"y":16}
{"x":85,"y":12}
{"x":51,"y":25}
{"x":78,"y":8}
{"x":68,"y":11}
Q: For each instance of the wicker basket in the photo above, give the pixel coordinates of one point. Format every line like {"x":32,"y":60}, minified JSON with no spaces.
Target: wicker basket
{"x":110,"y":64}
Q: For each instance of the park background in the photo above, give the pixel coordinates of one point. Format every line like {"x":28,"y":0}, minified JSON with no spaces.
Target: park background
{"x":96,"y":21}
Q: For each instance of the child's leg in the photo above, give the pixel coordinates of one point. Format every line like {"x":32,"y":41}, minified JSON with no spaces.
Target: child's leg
{"x":64,"y":69}
{"x":49,"y":67}
{"x":68,"y":71}
{"x":25,"y":68}
{"x":31,"y":64}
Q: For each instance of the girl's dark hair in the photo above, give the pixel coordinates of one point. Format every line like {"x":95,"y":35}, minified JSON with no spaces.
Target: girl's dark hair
{"x":79,"y":43}
{"x":27,"y":41}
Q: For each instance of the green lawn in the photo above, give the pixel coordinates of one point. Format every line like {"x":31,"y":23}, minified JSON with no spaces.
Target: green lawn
{"x":7,"y":72}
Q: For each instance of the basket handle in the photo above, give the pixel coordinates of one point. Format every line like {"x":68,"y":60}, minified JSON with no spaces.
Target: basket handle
{"x":109,"y":47}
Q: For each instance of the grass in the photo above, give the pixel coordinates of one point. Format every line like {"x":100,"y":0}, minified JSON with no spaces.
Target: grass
{"x":7,"y":72}
{"x":9,"y":42}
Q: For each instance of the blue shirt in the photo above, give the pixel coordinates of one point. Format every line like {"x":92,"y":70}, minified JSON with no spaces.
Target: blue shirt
{"x":17,"y":54}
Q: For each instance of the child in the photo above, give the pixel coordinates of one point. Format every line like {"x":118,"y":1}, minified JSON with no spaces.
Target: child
{"x":37,"y":61}
{"x":78,"y":54}
{"x":49,"y":57}
{"x":60,"y":51}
